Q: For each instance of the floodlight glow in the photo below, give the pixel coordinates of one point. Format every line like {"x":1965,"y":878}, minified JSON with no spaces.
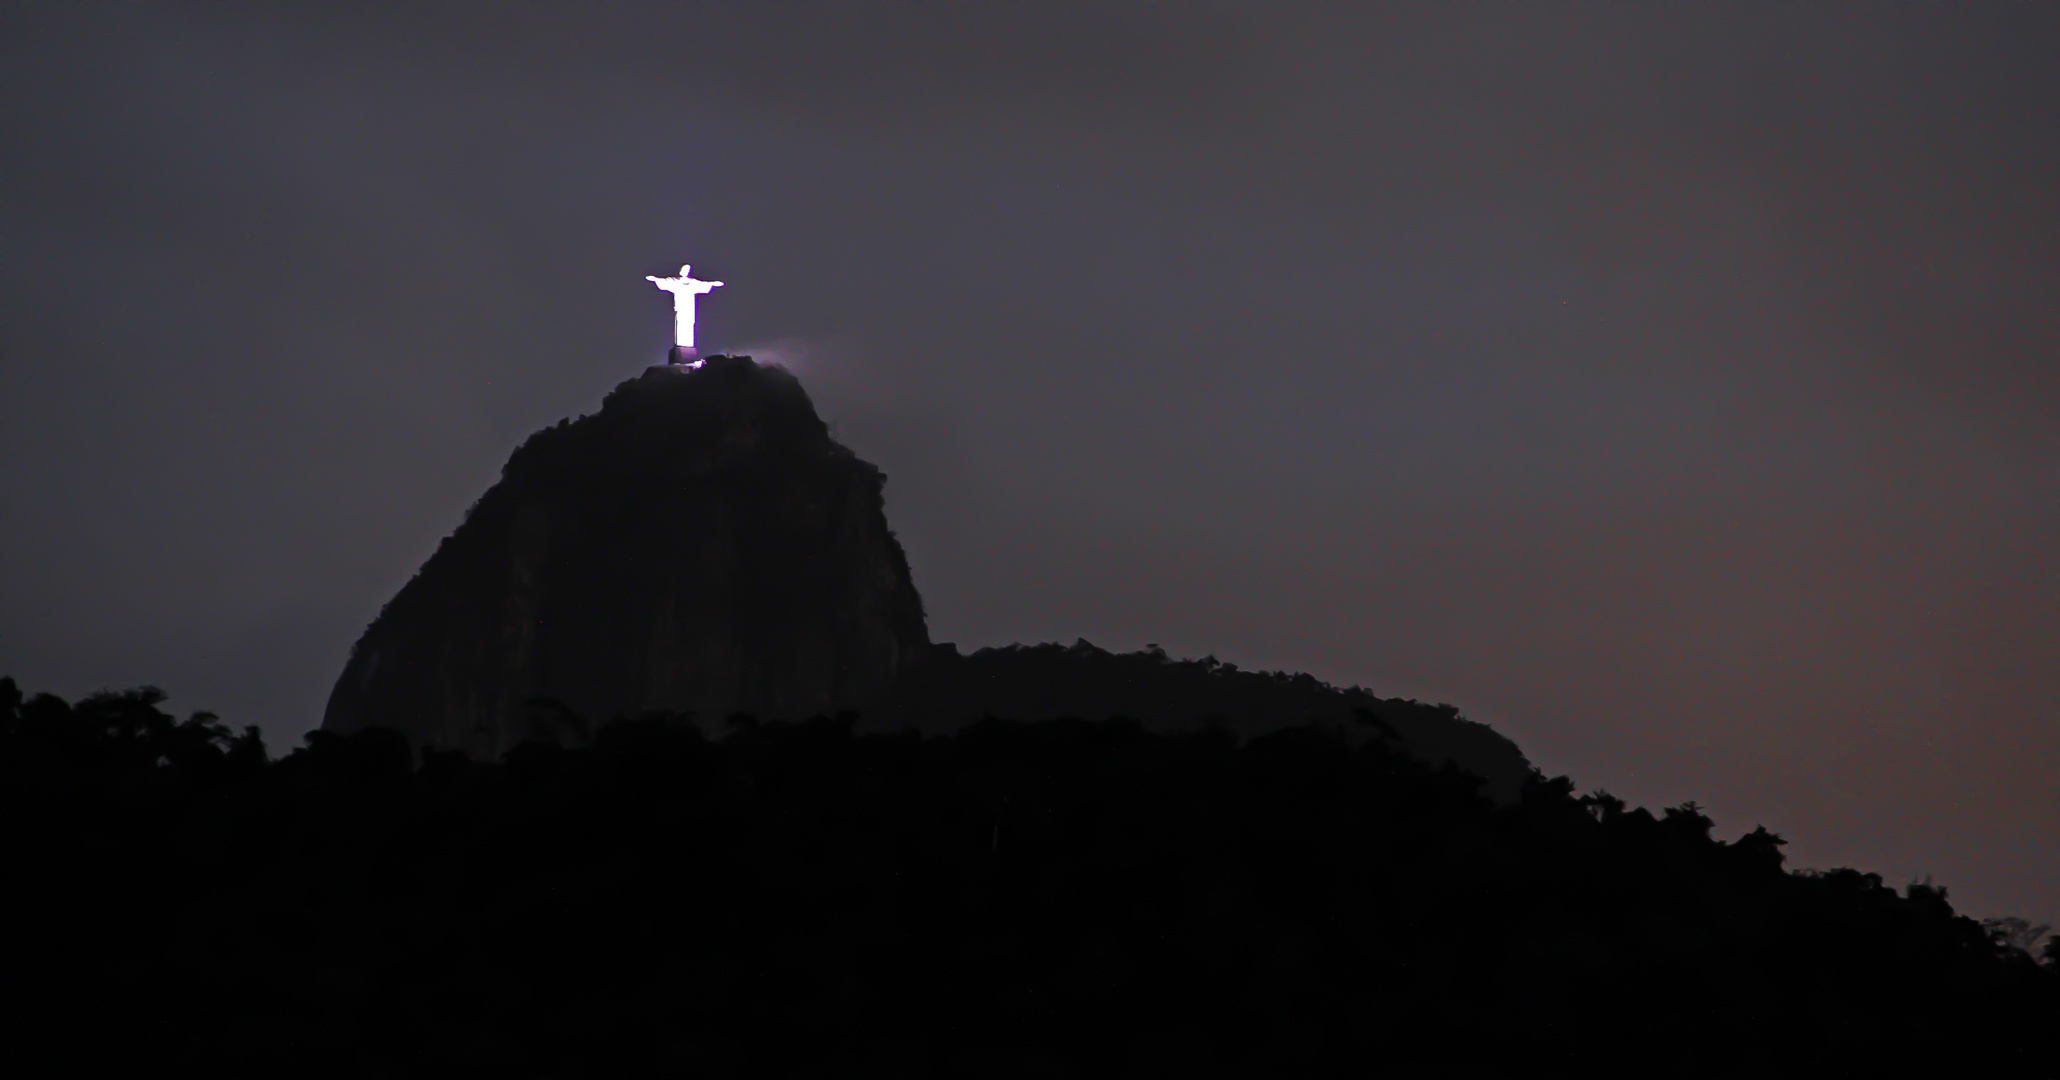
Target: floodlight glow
{"x":683,"y":289}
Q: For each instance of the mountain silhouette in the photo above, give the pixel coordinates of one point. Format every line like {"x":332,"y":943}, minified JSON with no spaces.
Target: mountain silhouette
{"x":701,"y":544}
{"x":515,"y":850}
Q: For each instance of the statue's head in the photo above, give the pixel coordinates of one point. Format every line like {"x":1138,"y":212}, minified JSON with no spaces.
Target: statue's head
{"x":685,"y":270}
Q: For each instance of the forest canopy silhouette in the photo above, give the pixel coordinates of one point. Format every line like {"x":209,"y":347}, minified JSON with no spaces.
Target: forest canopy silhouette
{"x":1059,"y":897}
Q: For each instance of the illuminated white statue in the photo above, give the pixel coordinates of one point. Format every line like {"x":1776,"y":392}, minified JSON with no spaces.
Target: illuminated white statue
{"x":683,"y":289}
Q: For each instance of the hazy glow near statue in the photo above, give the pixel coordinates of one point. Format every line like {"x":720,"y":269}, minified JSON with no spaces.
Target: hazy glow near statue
{"x":683,"y":289}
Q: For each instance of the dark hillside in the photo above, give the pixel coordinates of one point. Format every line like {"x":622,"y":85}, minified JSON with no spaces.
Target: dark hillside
{"x":1044,"y":899}
{"x":1050,"y":682}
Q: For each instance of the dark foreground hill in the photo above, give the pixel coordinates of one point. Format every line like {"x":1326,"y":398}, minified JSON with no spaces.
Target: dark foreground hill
{"x":1050,"y":899}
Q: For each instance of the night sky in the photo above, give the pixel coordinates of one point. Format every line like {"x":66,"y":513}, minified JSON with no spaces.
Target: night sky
{"x":1673,"y":387}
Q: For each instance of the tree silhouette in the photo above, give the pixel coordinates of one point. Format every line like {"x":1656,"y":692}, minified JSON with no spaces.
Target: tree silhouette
{"x":1060,"y":897}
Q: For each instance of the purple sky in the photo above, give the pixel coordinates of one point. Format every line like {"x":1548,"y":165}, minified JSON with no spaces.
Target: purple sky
{"x":1673,"y":387}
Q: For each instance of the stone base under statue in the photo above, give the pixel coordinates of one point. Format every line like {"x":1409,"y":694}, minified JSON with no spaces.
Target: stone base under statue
{"x":685,"y":355}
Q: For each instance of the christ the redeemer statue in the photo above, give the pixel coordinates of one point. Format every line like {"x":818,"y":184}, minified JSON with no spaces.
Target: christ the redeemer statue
{"x":683,"y":289}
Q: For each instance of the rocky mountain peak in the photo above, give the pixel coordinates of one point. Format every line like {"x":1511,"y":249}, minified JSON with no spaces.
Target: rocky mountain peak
{"x":701,"y":544}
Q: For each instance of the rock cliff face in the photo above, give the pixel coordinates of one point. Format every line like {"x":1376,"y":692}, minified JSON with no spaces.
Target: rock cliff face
{"x":699,"y":545}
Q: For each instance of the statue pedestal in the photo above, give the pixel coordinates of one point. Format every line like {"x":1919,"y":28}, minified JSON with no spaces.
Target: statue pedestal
{"x":685,"y":355}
